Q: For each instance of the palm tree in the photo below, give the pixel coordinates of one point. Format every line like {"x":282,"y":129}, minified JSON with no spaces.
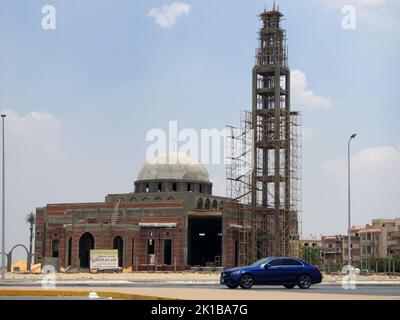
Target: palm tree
{"x":30,"y":218}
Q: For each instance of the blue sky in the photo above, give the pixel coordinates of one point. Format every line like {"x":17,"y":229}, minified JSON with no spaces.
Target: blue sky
{"x":81,"y":98}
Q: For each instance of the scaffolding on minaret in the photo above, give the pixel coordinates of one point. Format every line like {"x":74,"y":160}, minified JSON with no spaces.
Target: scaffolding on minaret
{"x":264,"y":172}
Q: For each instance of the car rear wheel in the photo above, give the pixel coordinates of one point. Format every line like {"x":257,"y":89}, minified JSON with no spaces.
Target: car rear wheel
{"x":289,"y":286}
{"x":304,"y":281}
{"x":246,"y":281}
{"x":232,"y":286}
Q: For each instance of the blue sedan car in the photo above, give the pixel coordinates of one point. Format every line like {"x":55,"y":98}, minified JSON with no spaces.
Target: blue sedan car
{"x":286,"y":271}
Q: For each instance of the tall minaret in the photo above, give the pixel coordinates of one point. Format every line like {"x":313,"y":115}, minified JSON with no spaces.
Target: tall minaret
{"x":274,"y":217}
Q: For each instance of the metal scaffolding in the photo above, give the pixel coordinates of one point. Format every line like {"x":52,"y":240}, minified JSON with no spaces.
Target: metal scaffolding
{"x":264,"y":173}
{"x":238,"y":184}
{"x":239,"y":156}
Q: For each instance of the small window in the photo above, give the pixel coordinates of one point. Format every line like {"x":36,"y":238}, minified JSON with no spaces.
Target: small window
{"x":174,"y":188}
{"x":201,"y":188}
{"x":189,"y":187}
{"x":276,"y":262}
{"x":147,"y":189}
{"x":200,"y":203}
{"x":55,"y":248}
{"x":290,"y":262}
{"x":150,"y":246}
{"x":159,"y":187}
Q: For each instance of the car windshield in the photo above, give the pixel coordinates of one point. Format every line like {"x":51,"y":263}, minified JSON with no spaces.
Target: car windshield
{"x":260,"y":262}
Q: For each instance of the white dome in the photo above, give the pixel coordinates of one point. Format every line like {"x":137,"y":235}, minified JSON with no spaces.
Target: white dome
{"x":173,"y":166}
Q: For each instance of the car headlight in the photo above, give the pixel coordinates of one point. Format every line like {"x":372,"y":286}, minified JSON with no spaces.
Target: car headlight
{"x":235,"y":273}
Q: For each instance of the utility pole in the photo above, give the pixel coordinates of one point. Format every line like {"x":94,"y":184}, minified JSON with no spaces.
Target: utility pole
{"x":3,"y":231}
{"x":349,"y":204}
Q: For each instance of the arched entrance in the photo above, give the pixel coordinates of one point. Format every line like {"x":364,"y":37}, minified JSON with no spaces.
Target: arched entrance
{"x":86,"y":243}
{"x":9,"y":257}
{"x":118,"y":244}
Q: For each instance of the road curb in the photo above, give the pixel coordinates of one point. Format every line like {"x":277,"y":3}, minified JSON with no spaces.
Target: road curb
{"x":78,"y":293}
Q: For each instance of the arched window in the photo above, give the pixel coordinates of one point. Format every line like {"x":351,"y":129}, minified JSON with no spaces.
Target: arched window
{"x":189,"y":187}
{"x":207,"y":204}
{"x":215,"y":205}
{"x":147,"y":189}
{"x":118,"y":243}
{"x":174,"y":188}
{"x":200,"y":203}
{"x":201,"y":188}
{"x":86,"y":243}
{"x":159,"y":187}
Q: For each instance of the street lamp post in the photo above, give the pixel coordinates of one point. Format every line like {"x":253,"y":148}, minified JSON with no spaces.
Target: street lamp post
{"x":349,"y":204}
{"x":3,"y":231}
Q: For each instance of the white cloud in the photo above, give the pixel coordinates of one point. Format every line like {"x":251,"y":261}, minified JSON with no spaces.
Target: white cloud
{"x":34,"y":132}
{"x":378,"y":159}
{"x":166,"y":15}
{"x":304,"y":97}
{"x":375,"y":184}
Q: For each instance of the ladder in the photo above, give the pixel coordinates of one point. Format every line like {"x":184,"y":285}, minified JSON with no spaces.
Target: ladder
{"x":115,"y":214}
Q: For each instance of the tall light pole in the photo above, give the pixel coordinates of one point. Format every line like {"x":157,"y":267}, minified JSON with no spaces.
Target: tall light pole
{"x":3,"y":231}
{"x":349,"y":204}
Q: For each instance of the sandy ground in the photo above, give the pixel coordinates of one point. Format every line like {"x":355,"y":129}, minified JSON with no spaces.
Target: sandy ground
{"x":172,"y":276}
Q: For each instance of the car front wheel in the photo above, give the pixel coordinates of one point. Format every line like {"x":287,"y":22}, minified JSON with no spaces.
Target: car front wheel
{"x":304,"y":281}
{"x":246,"y":281}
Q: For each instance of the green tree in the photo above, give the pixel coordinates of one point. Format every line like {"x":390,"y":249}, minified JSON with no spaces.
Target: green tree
{"x":311,"y":255}
{"x":30,"y":218}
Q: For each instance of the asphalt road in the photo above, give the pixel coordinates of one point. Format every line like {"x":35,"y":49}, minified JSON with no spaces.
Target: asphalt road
{"x":374,"y":290}
{"x":361,"y":289}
